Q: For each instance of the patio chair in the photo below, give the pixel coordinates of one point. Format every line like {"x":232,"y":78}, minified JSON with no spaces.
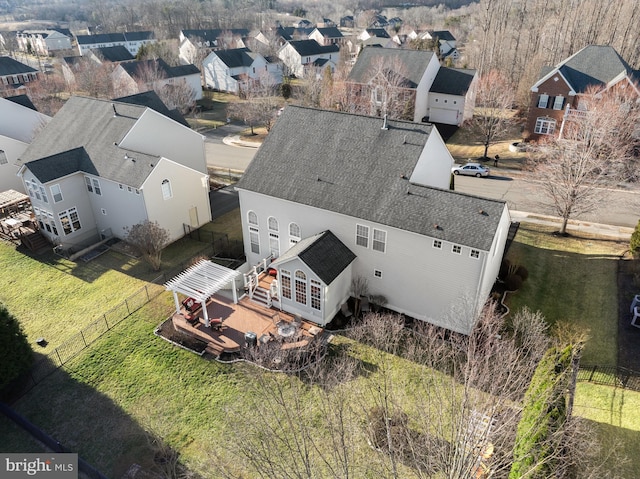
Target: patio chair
{"x":636,"y":315}
{"x":346,"y":312}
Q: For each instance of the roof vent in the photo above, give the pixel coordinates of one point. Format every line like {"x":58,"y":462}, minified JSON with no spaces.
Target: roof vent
{"x":483,"y":212}
{"x":127,"y":157}
{"x":438,"y":227}
{"x":384,"y":122}
{"x":403,"y":176}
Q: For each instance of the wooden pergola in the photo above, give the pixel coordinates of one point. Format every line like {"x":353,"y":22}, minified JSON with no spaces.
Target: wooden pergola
{"x":12,"y":201}
{"x":200,"y":282}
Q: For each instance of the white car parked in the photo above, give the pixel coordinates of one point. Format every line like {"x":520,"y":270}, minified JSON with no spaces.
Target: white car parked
{"x":471,"y":169}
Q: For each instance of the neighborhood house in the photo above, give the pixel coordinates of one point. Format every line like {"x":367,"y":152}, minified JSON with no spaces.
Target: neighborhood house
{"x":331,"y":197}
{"x":100,"y":167}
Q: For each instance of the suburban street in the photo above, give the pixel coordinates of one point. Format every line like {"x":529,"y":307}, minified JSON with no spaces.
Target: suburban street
{"x":620,"y":206}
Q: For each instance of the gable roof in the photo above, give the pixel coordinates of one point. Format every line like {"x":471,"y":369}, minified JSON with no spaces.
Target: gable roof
{"x":113,"y":54}
{"x":311,"y":47}
{"x":323,"y":253}
{"x":378,"y":32}
{"x":22,"y":100}
{"x":330,"y":32}
{"x":136,"y":69}
{"x":211,"y":35}
{"x":595,"y":65}
{"x":414,"y":64}
{"x":349,"y":165}
{"x":114,"y":37}
{"x":84,"y":136}
{"x":443,"y":35}
{"x":452,"y":81}
{"x":151,"y":100}
{"x":9,"y":66}
{"x":235,"y":57}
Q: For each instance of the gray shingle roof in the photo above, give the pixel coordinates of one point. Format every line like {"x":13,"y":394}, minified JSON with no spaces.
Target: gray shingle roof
{"x":113,"y":54}
{"x":311,"y":47}
{"x":378,"y":32}
{"x":593,"y":65}
{"x":113,"y":37}
{"x":414,"y":63}
{"x":452,"y":81}
{"x":323,"y":253}
{"x":152,"y":100}
{"x":236,"y":57}
{"x":136,"y":69}
{"x":83,"y":136}
{"x":349,"y":165}
{"x":443,"y":35}
{"x":9,"y":66}
{"x":211,"y":35}
{"x":23,"y":100}
{"x":330,"y":32}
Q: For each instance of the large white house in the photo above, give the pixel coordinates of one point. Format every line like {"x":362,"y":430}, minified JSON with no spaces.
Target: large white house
{"x":232,"y":70}
{"x":101,"y":166}
{"x":44,"y":42}
{"x":438,"y":94}
{"x":333,"y":196}
{"x":132,"y":41}
{"x":298,"y":55}
{"x":19,"y":123}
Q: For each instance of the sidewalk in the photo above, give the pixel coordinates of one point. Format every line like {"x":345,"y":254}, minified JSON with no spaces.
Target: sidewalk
{"x":234,"y":140}
{"x":601,"y":231}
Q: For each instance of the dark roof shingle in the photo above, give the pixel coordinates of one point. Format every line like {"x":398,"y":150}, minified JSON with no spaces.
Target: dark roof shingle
{"x":452,"y":81}
{"x":410,"y":64}
{"x":349,"y":165}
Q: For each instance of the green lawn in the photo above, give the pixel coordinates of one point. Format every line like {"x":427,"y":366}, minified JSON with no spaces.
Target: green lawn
{"x":571,"y":280}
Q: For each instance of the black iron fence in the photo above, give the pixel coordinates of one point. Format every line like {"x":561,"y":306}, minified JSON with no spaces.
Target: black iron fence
{"x":610,"y":376}
{"x":220,"y":243}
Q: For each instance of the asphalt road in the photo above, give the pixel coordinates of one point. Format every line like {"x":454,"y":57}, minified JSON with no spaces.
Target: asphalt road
{"x":621,"y":207}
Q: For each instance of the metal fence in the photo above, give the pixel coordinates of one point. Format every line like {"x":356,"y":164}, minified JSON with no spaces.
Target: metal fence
{"x":610,"y":376}
{"x":220,"y":243}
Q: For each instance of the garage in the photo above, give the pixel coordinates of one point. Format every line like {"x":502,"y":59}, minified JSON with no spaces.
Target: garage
{"x":443,"y":115}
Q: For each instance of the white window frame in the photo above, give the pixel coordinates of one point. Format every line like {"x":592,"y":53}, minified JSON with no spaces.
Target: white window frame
{"x":362,"y":235}
{"x":474,"y":253}
{"x":285,"y":283}
{"x":377,"y":273}
{"x":69,"y":216}
{"x":87,"y":181}
{"x":456,"y":249}
{"x":44,"y":194}
{"x":437,"y":244}
{"x":543,"y":101}
{"x":167,"y":194}
{"x":315,"y":292}
{"x":379,"y":240}
{"x":295,"y":233}
{"x":254,"y":239}
{"x":96,"y":186}
{"x":274,"y":244}
{"x":56,"y":193}
{"x":545,"y":126}
{"x":300,"y":287}
{"x":251,"y":216}
{"x":272,"y":224}
{"x":558,"y":102}
{"x":3,"y":158}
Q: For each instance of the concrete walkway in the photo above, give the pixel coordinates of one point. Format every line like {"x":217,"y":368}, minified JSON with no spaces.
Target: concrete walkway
{"x":234,"y":140}
{"x":598,"y":230}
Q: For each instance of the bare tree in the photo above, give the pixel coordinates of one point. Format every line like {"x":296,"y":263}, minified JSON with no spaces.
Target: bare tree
{"x":493,"y":115}
{"x":596,"y":146}
{"x":149,"y":238}
{"x":93,"y":79}
{"x":260,"y":105}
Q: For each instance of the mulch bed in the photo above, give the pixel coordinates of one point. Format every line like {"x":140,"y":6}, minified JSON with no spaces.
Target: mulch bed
{"x":628,"y":336}
{"x":167,"y":331}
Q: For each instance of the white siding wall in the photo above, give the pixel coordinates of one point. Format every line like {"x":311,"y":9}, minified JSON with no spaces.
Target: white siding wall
{"x":291,"y":59}
{"x":417,"y":279}
{"x":155,"y":134}
{"x":19,"y":122}
{"x":470,"y":99}
{"x":435,"y":162}
{"x":189,"y":189}
{"x":443,"y":108}
{"x":74,"y":194}
{"x":9,"y":171}
{"x":494,"y":257}
{"x":218,"y":76}
{"x":422,"y":92}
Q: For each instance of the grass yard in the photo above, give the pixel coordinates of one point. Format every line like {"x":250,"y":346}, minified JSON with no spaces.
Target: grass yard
{"x":572,"y":280}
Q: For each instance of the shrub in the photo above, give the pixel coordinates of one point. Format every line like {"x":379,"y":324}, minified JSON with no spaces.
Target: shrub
{"x":15,"y":353}
{"x":634,"y":244}
{"x":513,"y":282}
{"x":505,"y":266}
{"x":522,"y":272}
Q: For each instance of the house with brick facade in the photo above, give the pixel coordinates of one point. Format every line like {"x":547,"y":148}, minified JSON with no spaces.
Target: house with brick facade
{"x":558,"y":92}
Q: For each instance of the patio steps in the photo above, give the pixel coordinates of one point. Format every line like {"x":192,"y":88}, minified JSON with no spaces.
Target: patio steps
{"x":261,"y":296}
{"x":214,"y":349}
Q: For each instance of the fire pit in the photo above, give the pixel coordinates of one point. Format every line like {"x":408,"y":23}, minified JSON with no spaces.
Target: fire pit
{"x":286,"y":330}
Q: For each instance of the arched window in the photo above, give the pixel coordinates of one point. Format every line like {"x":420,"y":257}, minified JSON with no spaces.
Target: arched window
{"x":166,"y":189}
{"x":294,"y":234}
{"x":254,"y":232}
{"x":274,"y":237}
{"x":301,"y":287}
